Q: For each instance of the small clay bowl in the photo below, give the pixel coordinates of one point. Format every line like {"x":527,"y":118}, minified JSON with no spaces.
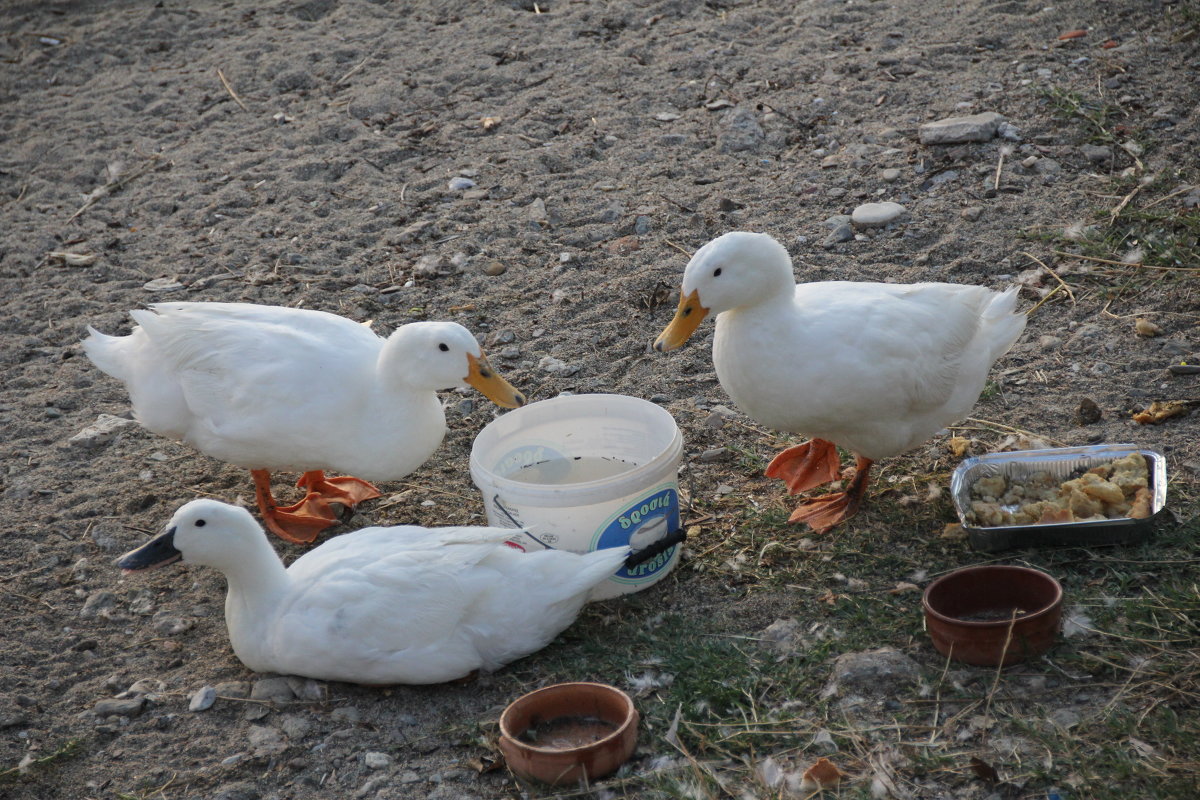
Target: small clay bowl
{"x":568,"y":731}
{"x":969,"y":614}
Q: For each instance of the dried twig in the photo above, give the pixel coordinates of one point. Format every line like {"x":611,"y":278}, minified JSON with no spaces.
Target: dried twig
{"x":353,"y":70}
{"x":114,"y":185}
{"x":1138,"y":265}
{"x":228,"y":88}
{"x":1061,"y":282}
{"x":679,"y":248}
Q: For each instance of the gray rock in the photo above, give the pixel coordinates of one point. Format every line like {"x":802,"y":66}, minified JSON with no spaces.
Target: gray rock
{"x":273,"y":690}
{"x":890,"y":175}
{"x":119,"y":707}
{"x":349,"y":714}
{"x":100,"y":432}
{"x":460,"y":184}
{"x":161,"y":285}
{"x":376,"y":760}
{"x":740,"y":131}
{"x":876,"y":215}
{"x":556,"y":366}
{"x":170,"y":625}
{"x":307,"y":689}
{"x":98,"y":604}
{"x":954,"y":130}
{"x":234,"y":689}
{"x":202,"y":699}
{"x":842,"y":233}
{"x":874,"y":672}
{"x":972,"y":214}
{"x":265,"y":740}
{"x":1095,"y":153}
{"x":642,"y":225}
{"x":713,"y":455}
{"x":295,"y":726}
{"x":836,"y":221}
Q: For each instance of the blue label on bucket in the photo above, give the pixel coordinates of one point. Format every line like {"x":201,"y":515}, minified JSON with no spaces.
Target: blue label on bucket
{"x":641,"y":524}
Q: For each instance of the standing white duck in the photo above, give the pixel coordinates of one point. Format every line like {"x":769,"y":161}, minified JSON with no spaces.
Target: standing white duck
{"x":877,"y":368}
{"x":273,"y":388}
{"x":381,"y":605}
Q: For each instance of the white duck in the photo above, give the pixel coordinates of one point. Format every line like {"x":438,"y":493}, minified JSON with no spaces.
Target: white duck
{"x":381,"y":605}
{"x":273,"y":388}
{"x":877,"y":368}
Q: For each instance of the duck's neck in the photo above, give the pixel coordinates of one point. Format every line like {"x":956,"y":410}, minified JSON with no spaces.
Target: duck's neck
{"x":257,"y":580}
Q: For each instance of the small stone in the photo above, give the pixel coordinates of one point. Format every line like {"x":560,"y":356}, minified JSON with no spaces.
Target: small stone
{"x":713,"y":455}
{"x":119,"y":707}
{"x":1088,"y":412}
{"x":972,"y":214}
{"x":307,"y":689}
{"x":98,"y":604}
{"x":953,"y":130}
{"x":202,"y":699}
{"x":233,"y":689}
{"x":1097,"y":154}
{"x":556,"y":366}
{"x":876,"y":215}
{"x":162,"y":285}
{"x":890,"y":175}
{"x":295,"y":726}
{"x":494,"y":268}
{"x":273,"y":690}
{"x":1184,"y":369}
{"x":740,"y":131}
{"x":842,"y":233}
{"x":265,"y":740}
{"x":460,"y":184}
{"x":375,"y":760}
{"x":642,"y":225}
{"x":170,"y":625}
{"x":349,"y":714}
{"x":408,"y":776}
{"x":100,"y":432}
{"x":836,"y":221}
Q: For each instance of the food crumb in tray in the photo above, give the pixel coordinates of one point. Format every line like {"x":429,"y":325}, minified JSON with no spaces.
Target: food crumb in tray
{"x":1118,"y":489}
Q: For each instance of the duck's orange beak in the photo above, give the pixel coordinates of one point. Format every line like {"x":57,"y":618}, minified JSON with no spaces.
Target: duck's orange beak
{"x":688,"y":317}
{"x":481,"y":376}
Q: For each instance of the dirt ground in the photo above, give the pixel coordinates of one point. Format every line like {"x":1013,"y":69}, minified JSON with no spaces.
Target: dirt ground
{"x":537,"y":172}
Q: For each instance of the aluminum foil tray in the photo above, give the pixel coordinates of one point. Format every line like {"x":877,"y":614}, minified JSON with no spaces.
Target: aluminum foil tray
{"x":1064,"y":463}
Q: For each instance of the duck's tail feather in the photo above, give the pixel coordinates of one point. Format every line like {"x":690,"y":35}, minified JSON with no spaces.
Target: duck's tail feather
{"x":108,"y":353}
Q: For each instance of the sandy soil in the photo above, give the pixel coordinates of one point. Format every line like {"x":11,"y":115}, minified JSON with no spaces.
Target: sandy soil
{"x":302,"y":154}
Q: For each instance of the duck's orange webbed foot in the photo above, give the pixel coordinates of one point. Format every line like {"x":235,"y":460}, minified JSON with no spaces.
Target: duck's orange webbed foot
{"x":300,"y":522}
{"x":347,"y":490}
{"x":825,"y":512}
{"x":807,"y":465}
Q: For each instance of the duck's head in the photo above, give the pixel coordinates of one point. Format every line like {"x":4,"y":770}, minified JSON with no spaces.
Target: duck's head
{"x":734,"y":270}
{"x":203,"y":532}
{"x":444,"y":355}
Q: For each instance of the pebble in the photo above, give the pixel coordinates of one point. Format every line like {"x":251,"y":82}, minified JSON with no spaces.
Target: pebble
{"x":349,"y":714}
{"x":295,"y":726}
{"x":460,"y":184}
{"x":740,"y":131}
{"x":265,"y":740}
{"x":890,"y":175}
{"x":234,"y":689}
{"x":1097,"y":154}
{"x":202,"y":699}
{"x":119,"y":707}
{"x":494,"y":268}
{"x":100,"y":432}
{"x":972,"y":214}
{"x":712,"y":455}
{"x":274,"y":690}
{"x":1088,"y":412}
{"x":876,"y":215}
{"x":162,"y":285}
{"x":375,"y":760}
{"x":842,"y":233}
{"x":98,"y":604}
{"x":556,"y":366}
{"x":954,"y":130}
{"x":308,"y":689}
{"x":1185,"y":369}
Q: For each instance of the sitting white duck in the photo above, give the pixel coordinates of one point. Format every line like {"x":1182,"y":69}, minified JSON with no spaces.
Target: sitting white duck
{"x":877,"y":368}
{"x":273,"y":388}
{"x":381,"y":605}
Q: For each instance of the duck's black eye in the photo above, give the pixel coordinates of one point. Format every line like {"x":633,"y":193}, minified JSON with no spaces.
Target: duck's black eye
{"x":717,"y":272}
{"x":200,"y":523}
{"x":445,"y":348}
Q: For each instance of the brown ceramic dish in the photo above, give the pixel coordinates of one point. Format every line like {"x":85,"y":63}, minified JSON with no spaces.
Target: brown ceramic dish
{"x":569,"y":731}
{"x":969,"y":614}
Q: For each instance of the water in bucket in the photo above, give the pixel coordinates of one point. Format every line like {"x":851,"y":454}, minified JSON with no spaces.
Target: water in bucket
{"x":582,"y":473}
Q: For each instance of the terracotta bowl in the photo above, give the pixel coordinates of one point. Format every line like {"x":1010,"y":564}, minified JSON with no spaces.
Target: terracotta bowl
{"x":569,"y":731}
{"x":969,"y":614}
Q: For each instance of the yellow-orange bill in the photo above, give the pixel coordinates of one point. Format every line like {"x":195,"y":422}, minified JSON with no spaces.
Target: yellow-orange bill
{"x":688,"y":317}
{"x":491,"y":385}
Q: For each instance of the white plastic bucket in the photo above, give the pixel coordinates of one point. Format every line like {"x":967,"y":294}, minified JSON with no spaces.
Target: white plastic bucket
{"x":585,"y":472}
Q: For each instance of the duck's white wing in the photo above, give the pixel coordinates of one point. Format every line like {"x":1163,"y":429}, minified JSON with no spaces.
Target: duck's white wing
{"x":383,"y":608}
{"x":870,"y":366}
{"x":240,"y":368}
